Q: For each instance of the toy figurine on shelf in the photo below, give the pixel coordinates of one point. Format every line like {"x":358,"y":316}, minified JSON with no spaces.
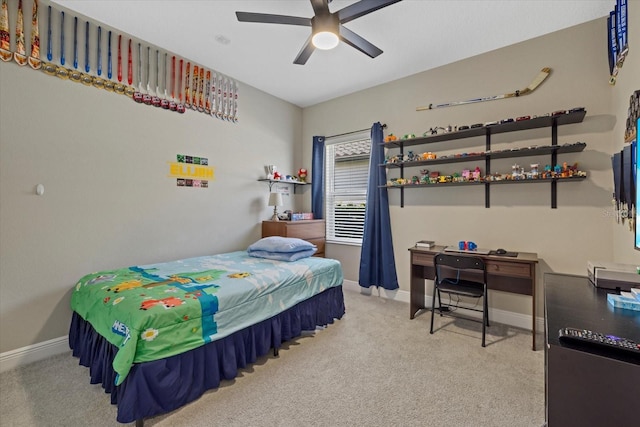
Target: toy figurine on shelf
{"x":390,"y":138}
{"x":476,"y":173}
{"x":517,"y":172}
{"x":302,"y":175}
{"x":534,"y":170}
{"x":270,"y":170}
{"x":557,"y":169}
{"x":277,"y":175}
{"x":466,"y":175}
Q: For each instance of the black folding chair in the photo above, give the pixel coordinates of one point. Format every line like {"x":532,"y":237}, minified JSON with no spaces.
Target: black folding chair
{"x":454,"y":275}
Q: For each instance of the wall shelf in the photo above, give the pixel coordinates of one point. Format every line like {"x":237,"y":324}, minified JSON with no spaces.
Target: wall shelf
{"x":282,"y":181}
{"x":487,"y":131}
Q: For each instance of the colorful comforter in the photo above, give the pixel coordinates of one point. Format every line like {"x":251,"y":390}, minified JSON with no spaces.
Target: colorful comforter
{"x":154,"y":311}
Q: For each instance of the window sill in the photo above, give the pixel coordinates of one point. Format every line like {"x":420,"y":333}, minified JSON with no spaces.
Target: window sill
{"x":340,"y":242}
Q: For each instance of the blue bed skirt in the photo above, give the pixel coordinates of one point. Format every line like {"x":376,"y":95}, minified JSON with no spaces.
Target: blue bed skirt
{"x":158,"y":387}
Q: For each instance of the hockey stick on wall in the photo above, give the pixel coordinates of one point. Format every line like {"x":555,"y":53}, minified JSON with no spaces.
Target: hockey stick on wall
{"x":544,"y":73}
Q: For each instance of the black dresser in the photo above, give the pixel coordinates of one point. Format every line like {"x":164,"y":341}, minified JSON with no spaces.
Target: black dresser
{"x":586,"y":386}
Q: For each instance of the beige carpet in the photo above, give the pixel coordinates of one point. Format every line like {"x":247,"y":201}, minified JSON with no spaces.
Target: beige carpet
{"x":375,"y":367}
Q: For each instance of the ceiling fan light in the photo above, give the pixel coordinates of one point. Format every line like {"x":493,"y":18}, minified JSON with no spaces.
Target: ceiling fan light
{"x":325,"y":40}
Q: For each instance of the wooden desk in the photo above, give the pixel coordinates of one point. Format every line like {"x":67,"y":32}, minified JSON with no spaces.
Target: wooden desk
{"x":508,"y":274}
{"x":587,"y":386}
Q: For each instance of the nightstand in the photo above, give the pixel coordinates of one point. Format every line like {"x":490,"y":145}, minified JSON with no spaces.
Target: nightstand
{"x":311,"y":230}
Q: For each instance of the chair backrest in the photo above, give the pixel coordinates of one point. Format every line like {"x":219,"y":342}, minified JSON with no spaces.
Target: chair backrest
{"x":459,"y":262}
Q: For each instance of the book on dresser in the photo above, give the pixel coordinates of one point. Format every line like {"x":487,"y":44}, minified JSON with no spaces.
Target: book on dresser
{"x":427,"y":244}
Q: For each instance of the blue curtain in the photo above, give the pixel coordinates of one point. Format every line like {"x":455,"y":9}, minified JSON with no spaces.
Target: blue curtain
{"x":317,"y":177}
{"x":377,"y":263}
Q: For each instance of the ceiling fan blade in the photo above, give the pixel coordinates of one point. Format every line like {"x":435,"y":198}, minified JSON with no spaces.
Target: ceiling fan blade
{"x":320,"y":7}
{"x":268,"y":18}
{"x":305,"y":52}
{"x":361,"y":8}
{"x":354,"y":40}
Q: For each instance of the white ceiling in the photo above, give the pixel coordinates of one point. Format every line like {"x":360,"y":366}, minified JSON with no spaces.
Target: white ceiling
{"x":415,"y":35}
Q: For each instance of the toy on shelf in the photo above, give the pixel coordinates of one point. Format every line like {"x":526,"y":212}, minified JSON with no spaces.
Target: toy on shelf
{"x":390,"y":138}
{"x":517,"y":172}
{"x":302,"y":175}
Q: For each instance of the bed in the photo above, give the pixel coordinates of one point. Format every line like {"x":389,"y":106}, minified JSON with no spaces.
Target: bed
{"x":158,"y":336}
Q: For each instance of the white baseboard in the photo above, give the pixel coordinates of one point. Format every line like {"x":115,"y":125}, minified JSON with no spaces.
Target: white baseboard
{"x":32,"y":353}
{"x":510,"y":318}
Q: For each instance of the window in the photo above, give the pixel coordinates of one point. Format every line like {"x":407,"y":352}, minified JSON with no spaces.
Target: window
{"x":346,"y":176}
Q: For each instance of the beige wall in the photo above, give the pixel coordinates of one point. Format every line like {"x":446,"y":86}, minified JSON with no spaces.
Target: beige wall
{"x":108,"y":200}
{"x":520,"y":217}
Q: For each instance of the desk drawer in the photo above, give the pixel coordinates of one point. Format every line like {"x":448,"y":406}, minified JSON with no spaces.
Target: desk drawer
{"x":422,"y":259}
{"x":509,"y":268}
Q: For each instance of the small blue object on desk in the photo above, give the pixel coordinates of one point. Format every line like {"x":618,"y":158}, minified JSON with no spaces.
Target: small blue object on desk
{"x":624,"y":301}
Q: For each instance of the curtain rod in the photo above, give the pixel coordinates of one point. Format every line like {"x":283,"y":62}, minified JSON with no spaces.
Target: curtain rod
{"x":355,"y":131}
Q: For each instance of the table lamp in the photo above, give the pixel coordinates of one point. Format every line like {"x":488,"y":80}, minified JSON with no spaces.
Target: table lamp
{"x":275,"y":200}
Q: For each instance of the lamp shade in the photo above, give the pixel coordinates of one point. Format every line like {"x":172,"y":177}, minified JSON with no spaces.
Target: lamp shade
{"x":325,"y":40}
{"x":275,"y":199}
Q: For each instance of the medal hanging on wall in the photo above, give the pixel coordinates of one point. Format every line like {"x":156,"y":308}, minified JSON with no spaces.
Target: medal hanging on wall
{"x":214,"y":94}
{"x":137,"y":96}
{"x":5,"y":36}
{"x":155,"y":99}
{"x":201,"y":91}
{"x":119,"y":87}
{"x":164,"y":102}
{"x":187,"y":91}
{"x":75,"y":74}
{"x":34,"y":57}
{"x":61,"y":71}
{"x":146,"y":97}
{"x":86,"y":76}
{"x":235,"y":102}
{"x":207,"y":95}
{"x":194,"y":90}
{"x":172,"y":102}
{"x":20,"y":55}
{"x":98,"y":81}
{"x":130,"y":90}
{"x":109,"y":84}
{"x":219,"y":96}
{"x":180,"y":108}
{"x":49,"y":67}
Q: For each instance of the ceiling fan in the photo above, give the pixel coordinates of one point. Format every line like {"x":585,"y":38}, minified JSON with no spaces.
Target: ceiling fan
{"x":326,"y":28}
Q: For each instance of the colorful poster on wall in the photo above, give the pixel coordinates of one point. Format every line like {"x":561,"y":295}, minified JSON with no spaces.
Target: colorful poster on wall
{"x":191,"y":171}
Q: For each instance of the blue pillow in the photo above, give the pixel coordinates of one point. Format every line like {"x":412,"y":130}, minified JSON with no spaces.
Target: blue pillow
{"x":279,"y":244}
{"x":283,"y":256}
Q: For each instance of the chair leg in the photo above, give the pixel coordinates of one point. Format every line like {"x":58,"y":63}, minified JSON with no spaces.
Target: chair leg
{"x":485,"y":315}
{"x":439,"y":303}
{"x":433,"y":307}
{"x":486,"y":305}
